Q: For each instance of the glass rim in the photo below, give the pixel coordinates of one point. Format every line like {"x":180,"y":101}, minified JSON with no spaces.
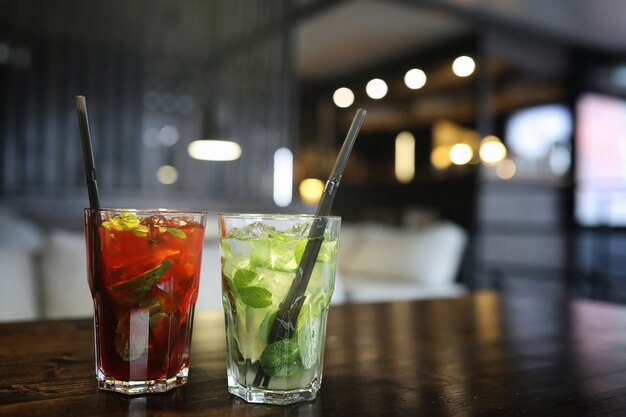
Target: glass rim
{"x":278,"y":216}
{"x":146,"y":210}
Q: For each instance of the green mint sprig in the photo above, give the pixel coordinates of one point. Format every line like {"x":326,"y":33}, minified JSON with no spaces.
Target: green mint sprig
{"x":281,"y":358}
{"x":130,"y":222}
{"x":252,"y":296}
{"x":132,"y":291}
{"x":256,"y":297}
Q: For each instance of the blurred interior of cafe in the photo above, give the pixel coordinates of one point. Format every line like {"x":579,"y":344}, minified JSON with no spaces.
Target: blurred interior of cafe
{"x":492,"y":156}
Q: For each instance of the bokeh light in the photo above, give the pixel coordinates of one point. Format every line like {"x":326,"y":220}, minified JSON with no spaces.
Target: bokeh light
{"x":343,"y":97}
{"x":311,"y":190}
{"x":167,"y":174}
{"x":440,"y":157}
{"x":214,"y":150}
{"x":376,"y":88}
{"x":463,"y":66}
{"x":415,"y":79}
{"x":461,"y":154}
{"x":405,"y":157}
{"x":492,"y":150}
{"x":506,"y":169}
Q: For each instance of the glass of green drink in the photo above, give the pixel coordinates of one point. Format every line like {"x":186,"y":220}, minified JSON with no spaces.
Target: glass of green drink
{"x":276,"y":313}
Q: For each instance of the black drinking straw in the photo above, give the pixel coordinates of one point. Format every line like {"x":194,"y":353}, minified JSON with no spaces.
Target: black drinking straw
{"x":85,"y":137}
{"x":284,"y":323}
{"x":92,"y":189}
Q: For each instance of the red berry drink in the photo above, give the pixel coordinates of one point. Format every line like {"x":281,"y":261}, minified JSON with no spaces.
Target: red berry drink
{"x":144,"y":269}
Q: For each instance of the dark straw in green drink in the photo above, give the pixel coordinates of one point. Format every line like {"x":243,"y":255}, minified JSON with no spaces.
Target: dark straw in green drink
{"x":287,"y":316}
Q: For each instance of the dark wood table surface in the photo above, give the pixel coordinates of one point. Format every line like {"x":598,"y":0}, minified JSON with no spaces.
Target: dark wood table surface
{"x":484,"y":354}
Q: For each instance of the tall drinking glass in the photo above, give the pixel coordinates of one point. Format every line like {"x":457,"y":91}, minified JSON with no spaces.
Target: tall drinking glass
{"x":260,"y":257}
{"x":143,"y":271}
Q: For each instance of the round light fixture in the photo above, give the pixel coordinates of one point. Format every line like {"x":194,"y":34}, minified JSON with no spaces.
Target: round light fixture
{"x":506,"y":169}
{"x":440,"y":157}
{"x":461,"y":154}
{"x":463,"y":66}
{"x":167,"y":174}
{"x":415,"y":79}
{"x":491,"y":150}
{"x":376,"y":88}
{"x":311,"y":190}
{"x":343,"y":97}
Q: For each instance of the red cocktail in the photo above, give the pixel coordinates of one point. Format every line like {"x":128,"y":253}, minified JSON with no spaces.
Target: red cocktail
{"x":144,"y":269}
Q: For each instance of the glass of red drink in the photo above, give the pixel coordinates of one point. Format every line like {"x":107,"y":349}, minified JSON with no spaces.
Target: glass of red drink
{"x":143,"y":272}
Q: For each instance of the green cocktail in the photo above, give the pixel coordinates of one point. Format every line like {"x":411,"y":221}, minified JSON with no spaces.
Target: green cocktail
{"x":260,"y":257}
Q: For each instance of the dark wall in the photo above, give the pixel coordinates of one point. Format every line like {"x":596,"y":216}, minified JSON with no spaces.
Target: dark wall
{"x":219,"y":70}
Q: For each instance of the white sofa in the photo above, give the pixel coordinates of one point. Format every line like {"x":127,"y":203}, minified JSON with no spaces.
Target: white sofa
{"x":44,"y":274}
{"x":382,"y":263}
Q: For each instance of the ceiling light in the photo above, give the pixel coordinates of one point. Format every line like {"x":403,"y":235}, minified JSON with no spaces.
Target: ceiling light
{"x":461,"y":154}
{"x":311,"y":190}
{"x":440,"y":157}
{"x":463,"y":66}
{"x":168,"y":135}
{"x":214,"y":150}
{"x":405,"y":157}
{"x":415,"y":79}
{"x":376,"y":88}
{"x":283,"y":177}
{"x":343,"y":97}
{"x":491,"y":150}
{"x":167,"y":174}
{"x":506,"y":169}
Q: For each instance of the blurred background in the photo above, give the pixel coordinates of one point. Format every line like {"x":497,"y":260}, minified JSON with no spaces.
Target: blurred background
{"x":493,"y":153}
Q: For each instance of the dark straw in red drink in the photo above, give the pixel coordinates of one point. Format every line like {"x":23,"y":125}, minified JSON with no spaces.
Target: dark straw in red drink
{"x":92,"y":186}
{"x":85,"y":137}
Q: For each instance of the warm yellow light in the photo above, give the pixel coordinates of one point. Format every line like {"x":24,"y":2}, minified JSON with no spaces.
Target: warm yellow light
{"x":343,"y":97}
{"x":311,"y":190}
{"x":405,"y":157}
{"x":461,"y":154}
{"x":440,"y":157}
{"x":167,"y":174}
{"x":214,"y":150}
{"x":415,"y":79}
{"x":506,"y":169}
{"x":463,"y":66}
{"x":491,"y":150}
{"x":376,"y":88}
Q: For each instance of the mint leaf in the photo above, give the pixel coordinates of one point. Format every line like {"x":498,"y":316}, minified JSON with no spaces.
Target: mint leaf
{"x":157,"y":301}
{"x":309,"y":342}
{"x":122,"y":222}
{"x":159,"y":320}
{"x":328,"y":251}
{"x":243,"y":278}
{"x":177,"y":232}
{"x":281,"y":358}
{"x":141,"y":230}
{"x":266,"y":325}
{"x":300,"y":247}
{"x":235,"y":352}
{"x":256,"y":297}
{"x":131,"y":291}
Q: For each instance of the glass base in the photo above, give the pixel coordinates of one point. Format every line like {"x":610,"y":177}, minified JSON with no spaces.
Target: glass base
{"x":109,"y":383}
{"x":268,"y":396}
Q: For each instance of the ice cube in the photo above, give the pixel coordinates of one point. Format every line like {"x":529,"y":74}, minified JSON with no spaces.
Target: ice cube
{"x":298,"y":230}
{"x":256,"y":230}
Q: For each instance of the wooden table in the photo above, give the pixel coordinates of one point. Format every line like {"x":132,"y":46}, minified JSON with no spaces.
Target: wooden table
{"x":484,"y":354}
